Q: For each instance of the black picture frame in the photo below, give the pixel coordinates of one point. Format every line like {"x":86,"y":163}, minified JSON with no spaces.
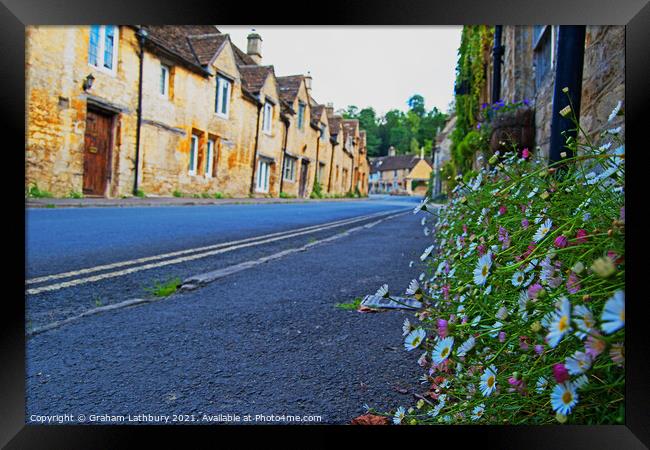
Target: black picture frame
{"x":634,"y":14}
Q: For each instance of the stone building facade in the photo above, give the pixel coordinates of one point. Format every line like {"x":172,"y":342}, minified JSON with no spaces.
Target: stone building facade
{"x":400,"y":174}
{"x":213,"y":118}
{"x":528,"y":73}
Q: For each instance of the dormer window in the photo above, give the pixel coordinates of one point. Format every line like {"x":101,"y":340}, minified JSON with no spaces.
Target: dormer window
{"x":323,"y":132}
{"x":102,"y":48}
{"x":224,"y":88}
{"x":164,"y":80}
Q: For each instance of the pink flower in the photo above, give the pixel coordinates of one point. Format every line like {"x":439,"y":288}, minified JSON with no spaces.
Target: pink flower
{"x":502,"y":210}
{"x":623,"y":214}
{"x":581,"y":236}
{"x":518,"y":385}
{"x":442,"y":328}
{"x":481,"y":249}
{"x":561,"y":241}
{"x":539,"y":349}
{"x":445,"y":291}
{"x":525,"y":153}
{"x":523,"y":342}
{"x":560,"y":373}
{"x":594,"y":346}
{"x":573,"y":283}
{"x":502,"y":336}
{"x":534,"y":290}
{"x":524,"y":223}
{"x":465,"y":228}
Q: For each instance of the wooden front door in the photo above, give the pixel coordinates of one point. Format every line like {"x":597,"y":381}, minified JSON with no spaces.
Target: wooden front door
{"x":97,"y":152}
{"x":304,"y":170}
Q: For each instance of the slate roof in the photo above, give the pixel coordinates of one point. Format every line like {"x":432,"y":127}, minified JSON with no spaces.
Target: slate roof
{"x":289,"y":87}
{"x":178,"y":40}
{"x":316,"y":112}
{"x":253,"y":76}
{"x":205,"y":46}
{"x":242,"y":58}
{"x":397,"y":162}
{"x":335,"y":124}
{"x":349,"y":126}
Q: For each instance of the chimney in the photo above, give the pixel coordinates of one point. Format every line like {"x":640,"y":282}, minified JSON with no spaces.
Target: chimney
{"x":330,"y":109}
{"x":421,"y":152}
{"x":391,"y":151}
{"x":308,"y":80}
{"x":254,"y":49}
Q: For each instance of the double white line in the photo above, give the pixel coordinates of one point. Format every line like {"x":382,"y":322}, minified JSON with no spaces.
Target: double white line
{"x":152,"y":262}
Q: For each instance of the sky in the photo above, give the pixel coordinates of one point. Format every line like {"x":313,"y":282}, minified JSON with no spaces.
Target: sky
{"x":363,"y":65}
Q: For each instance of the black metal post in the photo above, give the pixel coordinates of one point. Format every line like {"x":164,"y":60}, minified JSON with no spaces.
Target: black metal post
{"x":497,"y":52}
{"x":142,"y":36}
{"x":257,"y":137}
{"x":568,"y":74}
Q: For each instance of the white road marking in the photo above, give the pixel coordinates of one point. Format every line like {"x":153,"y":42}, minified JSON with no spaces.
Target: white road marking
{"x":114,"y":265}
{"x":249,"y":242}
{"x":211,"y":276}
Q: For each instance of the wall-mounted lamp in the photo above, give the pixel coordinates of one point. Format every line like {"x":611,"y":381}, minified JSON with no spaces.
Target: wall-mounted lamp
{"x":88,"y":82}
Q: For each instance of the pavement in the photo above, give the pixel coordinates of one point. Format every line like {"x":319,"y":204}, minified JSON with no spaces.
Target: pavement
{"x":266,"y":339}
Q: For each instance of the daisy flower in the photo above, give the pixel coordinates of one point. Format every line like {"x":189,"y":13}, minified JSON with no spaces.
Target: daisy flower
{"x":426,"y":253}
{"x":414,"y":339}
{"x":466,"y":346}
{"x":414,"y":289}
{"x":613,"y":316}
{"x":541,"y":384}
{"x":523,"y":302}
{"x":581,"y":381}
{"x":482,"y":269}
{"x":561,"y":323}
{"x":518,"y":278}
{"x":594,"y":345}
{"x":382,"y":291}
{"x":584,"y":320}
{"x":617,"y":353}
{"x":478,"y":411}
{"x":442,"y":350}
{"x":399,"y":415}
{"x":543,"y":230}
{"x":406,"y":327}
{"x":422,"y":206}
{"x":423,"y":221}
{"x":563,"y":398}
{"x":578,"y":364}
{"x":476,"y":320}
{"x":502,"y":313}
{"x":615,"y":111}
{"x":488,"y":381}
{"x":494,"y":330}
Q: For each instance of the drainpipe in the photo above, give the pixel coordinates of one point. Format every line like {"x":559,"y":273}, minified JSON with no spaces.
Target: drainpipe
{"x":352,"y":168}
{"x":568,"y":74}
{"x":329,"y":181}
{"x":317,"y":166}
{"x":257,"y":137}
{"x":142,"y":36}
{"x":284,"y":154}
{"x":497,"y":52}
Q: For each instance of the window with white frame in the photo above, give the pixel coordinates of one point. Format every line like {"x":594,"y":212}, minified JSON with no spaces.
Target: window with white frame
{"x":263,"y":173}
{"x":301,"y":115}
{"x":209,"y":159}
{"x":290,"y":168}
{"x":224,"y":88}
{"x":267,"y":118}
{"x":102,"y":48}
{"x":194,"y":155}
{"x":323,"y":132}
{"x":544,"y":41}
{"x":164,"y":80}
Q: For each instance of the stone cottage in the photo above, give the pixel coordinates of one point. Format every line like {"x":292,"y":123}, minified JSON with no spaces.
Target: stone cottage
{"x":167,"y":110}
{"x":400,"y":174}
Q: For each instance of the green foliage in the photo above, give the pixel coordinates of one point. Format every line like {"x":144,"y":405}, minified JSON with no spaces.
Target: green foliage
{"x":35,"y":192}
{"x":75,"y":194}
{"x":351,"y":306}
{"x":164,"y":289}
{"x":527,"y":277}
{"x":285,"y":195}
{"x":406,"y":131}
{"x":317,"y":191}
{"x":217,"y":195}
{"x":177,"y":193}
{"x":140,"y":193}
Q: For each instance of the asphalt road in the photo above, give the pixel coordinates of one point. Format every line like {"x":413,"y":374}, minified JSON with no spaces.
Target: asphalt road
{"x":266,"y":340}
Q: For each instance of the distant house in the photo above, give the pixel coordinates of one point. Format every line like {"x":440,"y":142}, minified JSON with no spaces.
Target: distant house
{"x":399,"y":174}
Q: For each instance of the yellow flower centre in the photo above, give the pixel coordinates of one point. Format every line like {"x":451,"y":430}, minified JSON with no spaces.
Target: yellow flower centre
{"x":567,"y":397}
{"x":564,"y":324}
{"x":484,"y":271}
{"x":588,"y":322}
{"x":444,"y":352}
{"x":416,"y":341}
{"x":490,"y":381}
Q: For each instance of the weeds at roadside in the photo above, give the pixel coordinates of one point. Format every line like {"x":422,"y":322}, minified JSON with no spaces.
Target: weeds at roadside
{"x":352,"y":306}
{"x":164,"y":289}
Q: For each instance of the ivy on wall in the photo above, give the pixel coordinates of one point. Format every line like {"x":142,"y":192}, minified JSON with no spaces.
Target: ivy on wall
{"x":476,"y":42}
